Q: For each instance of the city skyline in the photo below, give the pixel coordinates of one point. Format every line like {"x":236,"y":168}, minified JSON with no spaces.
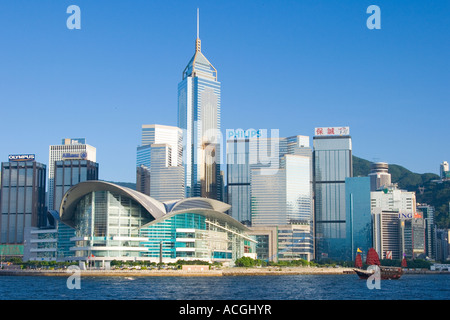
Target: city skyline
{"x":285,"y":66}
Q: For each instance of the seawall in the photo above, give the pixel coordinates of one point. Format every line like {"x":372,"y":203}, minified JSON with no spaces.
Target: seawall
{"x":182,"y":273}
{"x":209,"y":273}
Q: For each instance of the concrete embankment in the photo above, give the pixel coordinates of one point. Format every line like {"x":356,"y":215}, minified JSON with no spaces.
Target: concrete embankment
{"x":284,"y":271}
{"x":208,"y":273}
{"x":182,"y":273}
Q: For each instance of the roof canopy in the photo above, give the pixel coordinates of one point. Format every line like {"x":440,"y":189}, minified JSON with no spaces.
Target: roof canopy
{"x":158,"y":210}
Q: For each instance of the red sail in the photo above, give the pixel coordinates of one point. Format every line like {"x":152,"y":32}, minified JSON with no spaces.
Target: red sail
{"x":404,"y":264}
{"x":372,"y":258}
{"x":358,"y":261}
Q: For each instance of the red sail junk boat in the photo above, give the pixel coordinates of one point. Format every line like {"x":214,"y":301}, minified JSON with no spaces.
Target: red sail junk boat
{"x":373,"y":260}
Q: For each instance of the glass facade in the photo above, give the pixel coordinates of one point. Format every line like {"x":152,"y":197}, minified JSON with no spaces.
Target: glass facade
{"x":284,"y":242}
{"x":332,"y":163}
{"x":107,"y":225}
{"x":199,"y":117}
{"x":295,"y":242}
{"x":269,"y":177}
{"x":166,"y":182}
{"x":117,"y":223}
{"x":70,"y":148}
{"x":69,"y":173}
{"x":160,"y":173}
{"x":284,"y":195}
{"x":358,"y":217}
{"x":22,"y":199}
{"x":238,"y":180}
{"x":192,"y":235}
{"x":164,"y":237}
{"x":427,"y":213}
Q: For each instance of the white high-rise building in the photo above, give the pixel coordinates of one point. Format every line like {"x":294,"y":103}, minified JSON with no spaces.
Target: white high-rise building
{"x":390,"y":208}
{"x":69,"y":149}
{"x":379,"y":176}
{"x":445,"y":170}
{"x":159,"y":163}
{"x":162,"y":134}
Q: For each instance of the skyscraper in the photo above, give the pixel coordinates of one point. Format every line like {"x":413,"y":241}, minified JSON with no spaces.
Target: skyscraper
{"x":379,"y":176}
{"x":160,"y":173}
{"x":332,"y":164}
{"x":199,"y":118}
{"x":166,"y":181}
{"x":283,"y":196}
{"x":444,"y":171}
{"x":68,"y":149}
{"x":390,"y":208}
{"x":252,"y":155}
{"x":69,"y":172}
{"x":22,"y":197}
{"x":358,"y":217}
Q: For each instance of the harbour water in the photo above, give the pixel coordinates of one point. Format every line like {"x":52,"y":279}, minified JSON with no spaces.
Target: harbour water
{"x":283,"y":287}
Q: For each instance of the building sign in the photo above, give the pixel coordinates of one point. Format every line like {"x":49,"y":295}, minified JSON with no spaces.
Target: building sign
{"x":332,"y":131}
{"x":243,"y":134}
{"x":21,"y":157}
{"x":74,"y":156}
{"x":415,"y":215}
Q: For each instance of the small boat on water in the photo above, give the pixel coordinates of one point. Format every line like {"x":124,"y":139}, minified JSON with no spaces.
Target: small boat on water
{"x":386,"y":272}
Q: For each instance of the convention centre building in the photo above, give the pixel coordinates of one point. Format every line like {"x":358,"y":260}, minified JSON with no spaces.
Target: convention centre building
{"x":99,"y":222}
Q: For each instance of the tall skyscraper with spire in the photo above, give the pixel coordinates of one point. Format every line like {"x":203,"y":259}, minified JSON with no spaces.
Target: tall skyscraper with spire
{"x":199,"y":118}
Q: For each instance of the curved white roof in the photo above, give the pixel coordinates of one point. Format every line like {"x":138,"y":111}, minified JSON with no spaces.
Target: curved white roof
{"x":70,"y":199}
{"x":158,"y":210}
{"x":198,"y":202}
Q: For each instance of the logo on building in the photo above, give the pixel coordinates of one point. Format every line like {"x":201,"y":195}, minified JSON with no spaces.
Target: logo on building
{"x":243,"y":134}
{"x":74,"y":156}
{"x":332,"y":131}
{"x":21,"y":157}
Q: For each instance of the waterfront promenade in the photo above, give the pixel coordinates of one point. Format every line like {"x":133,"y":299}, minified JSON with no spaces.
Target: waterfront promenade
{"x":183,"y":273}
{"x":207,"y":273}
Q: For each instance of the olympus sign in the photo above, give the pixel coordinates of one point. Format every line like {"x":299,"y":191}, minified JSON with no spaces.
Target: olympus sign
{"x":21,"y":157}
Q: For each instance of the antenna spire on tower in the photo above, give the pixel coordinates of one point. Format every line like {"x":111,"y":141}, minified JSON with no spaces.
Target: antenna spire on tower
{"x":198,"y":45}
{"x":198,"y":25}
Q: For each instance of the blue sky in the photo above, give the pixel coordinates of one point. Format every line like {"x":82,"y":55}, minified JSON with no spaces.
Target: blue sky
{"x":287,"y":65}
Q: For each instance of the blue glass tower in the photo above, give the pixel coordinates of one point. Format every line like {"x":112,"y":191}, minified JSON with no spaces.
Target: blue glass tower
{"x":199,"y":118}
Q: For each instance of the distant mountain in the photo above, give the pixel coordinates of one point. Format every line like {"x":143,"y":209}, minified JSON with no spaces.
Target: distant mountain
{"x":427,"y":190}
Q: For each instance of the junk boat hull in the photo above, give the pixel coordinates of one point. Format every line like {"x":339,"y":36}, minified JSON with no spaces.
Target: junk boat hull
{"x":386,"y":273}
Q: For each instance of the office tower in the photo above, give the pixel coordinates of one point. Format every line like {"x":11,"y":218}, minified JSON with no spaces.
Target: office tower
{"x":157,"y":134}
{"x":166,"y":181}
{"x":444,"y":170}
{"x":251,"y":150}
{"x":379,"y":176}
{"x":69,"y":172}
{"x":390,"y":208}
{"x":69,"y":149}
{"x":238,"y":180}
{"x":332,"y":163}
{"x":358,"y":217}
{"x":282,"y":196}
{"x":143,"y":179}
{"x":22,"y":197}
{"x":427,"y":213}
{"x":199,"y":118}
{"x":413,"y":238}
{"x":159,"y":172}
{"x":143,"y":169}
{"x":442,"y":244}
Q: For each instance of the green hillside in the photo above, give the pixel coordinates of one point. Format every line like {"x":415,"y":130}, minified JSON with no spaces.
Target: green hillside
{"x":427,"y":191}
